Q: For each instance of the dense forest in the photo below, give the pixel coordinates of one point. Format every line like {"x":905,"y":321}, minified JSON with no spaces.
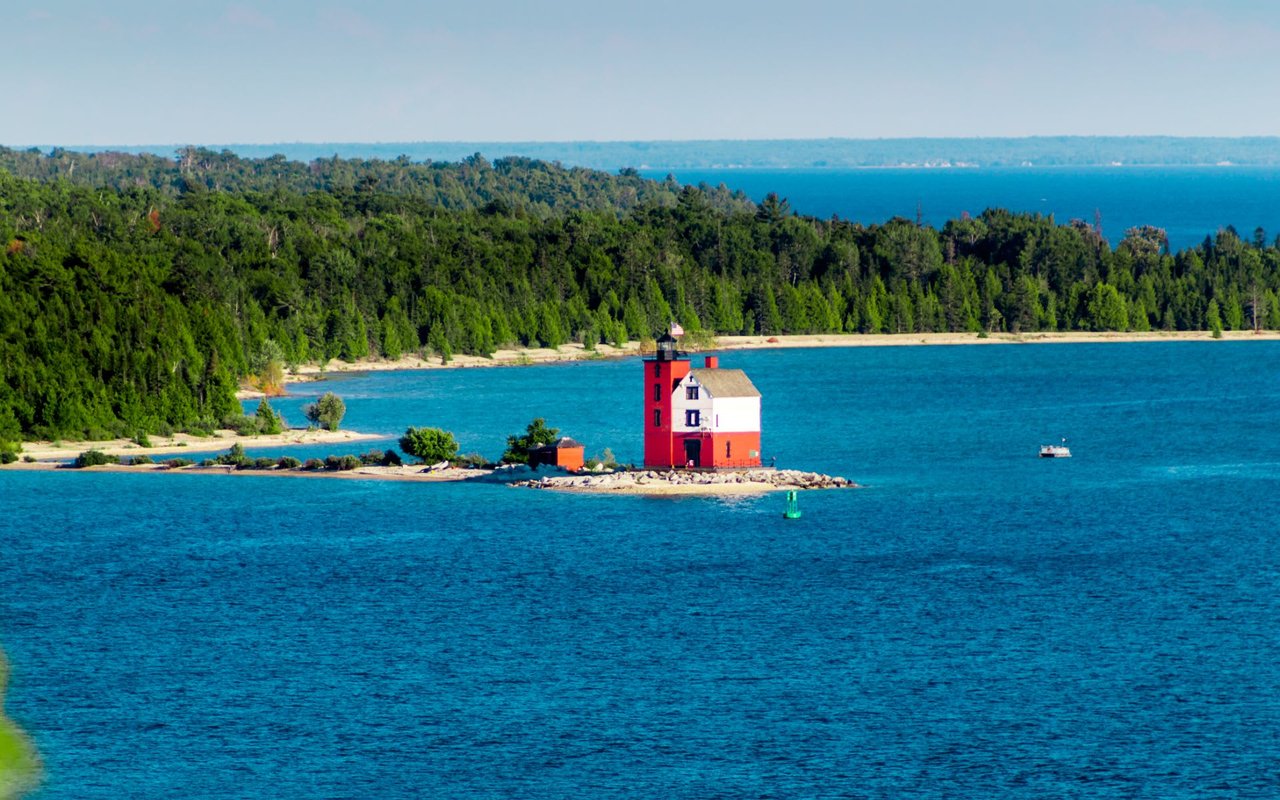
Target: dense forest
{"x":136,"y":302}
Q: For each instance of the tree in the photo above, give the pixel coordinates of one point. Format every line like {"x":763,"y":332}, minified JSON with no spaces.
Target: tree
{"x":327,"y":411}
{"x":432,"y":445}
{"x":1213,"y":317}
{"x":269,"y":420}
{"x":1107,"y":309}
{"x":536,"y":434}
{"x":269,"y":366}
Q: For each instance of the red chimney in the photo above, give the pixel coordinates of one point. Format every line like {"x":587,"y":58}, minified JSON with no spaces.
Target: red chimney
{"x":713,"y":362}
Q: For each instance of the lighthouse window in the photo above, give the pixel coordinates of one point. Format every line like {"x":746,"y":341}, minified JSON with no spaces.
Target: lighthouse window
{"x":657,"y":418}
{"x":691,"y":393}
{"x":728,"y":449}
{"x":657,"y":369}
{"x":691,"y":418}
{"x":657,"y":392}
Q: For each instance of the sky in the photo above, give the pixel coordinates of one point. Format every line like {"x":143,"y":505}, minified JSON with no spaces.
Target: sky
{"x":128,"y":72}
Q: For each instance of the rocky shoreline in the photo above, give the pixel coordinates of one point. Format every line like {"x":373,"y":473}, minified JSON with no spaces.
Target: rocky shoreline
{"x":685,"y":482}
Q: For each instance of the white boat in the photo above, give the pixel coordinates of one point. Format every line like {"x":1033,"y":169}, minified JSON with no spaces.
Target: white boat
{"x":1055,"y":450}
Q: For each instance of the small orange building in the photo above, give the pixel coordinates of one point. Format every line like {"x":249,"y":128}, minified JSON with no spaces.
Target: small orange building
{"x":564,"y":453}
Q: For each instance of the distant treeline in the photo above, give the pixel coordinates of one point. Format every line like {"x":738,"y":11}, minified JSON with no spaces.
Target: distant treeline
{"x":519,"y":184}
{"x":1043,"y":151}
{"x":126,"y":310}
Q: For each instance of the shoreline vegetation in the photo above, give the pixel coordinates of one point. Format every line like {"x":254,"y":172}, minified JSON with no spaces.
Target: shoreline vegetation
{"x":137,"y":293}
{"x":185,"y":443}
{"x":573,"y":352}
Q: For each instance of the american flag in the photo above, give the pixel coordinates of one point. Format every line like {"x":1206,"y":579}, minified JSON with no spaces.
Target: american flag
{"x":676,"y":330}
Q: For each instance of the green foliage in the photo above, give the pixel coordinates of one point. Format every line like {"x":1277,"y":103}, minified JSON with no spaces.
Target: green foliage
{"x":8,"y":456}
{"x":140,"y":460}
{"x":141,"y":439}
{"x":469,"y":461}
{"x":1213,"y":318}
{"x":327,"y":411}
{"x":178,"y":463}
{"x":536,"y":434}
{"x":115,"y":320}
{"x":312,"y":464}
{"x":234,"y":457}
{"x":19,"y":764}
{"x":94,"y":458}
{"x":268,"y":419}
{"x":342,"y":463}
{"x":431,"y":445}
{"x":288,"y":462}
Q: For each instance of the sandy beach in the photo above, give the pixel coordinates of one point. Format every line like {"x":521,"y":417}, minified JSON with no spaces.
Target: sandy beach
{"x":402,"y":473}
{"x":182,"y":443}
{"x":576,"y":352}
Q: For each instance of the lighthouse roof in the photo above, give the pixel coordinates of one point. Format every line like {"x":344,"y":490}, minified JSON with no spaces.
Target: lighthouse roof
{"x":725,"y":382}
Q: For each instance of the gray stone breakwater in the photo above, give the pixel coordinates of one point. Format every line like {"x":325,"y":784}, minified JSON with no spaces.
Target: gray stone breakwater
{"x":763,"y":479}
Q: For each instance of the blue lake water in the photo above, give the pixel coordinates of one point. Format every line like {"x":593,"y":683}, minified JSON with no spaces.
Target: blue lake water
{"x":976,"y":622}
{"x":1188,"y":202}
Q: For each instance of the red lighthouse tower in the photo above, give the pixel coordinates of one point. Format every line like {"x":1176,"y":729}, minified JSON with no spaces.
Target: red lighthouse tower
{"x":707,"y":417}
{"x":662,"y":374}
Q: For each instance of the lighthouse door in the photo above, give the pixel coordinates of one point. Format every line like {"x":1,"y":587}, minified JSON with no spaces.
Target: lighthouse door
{"x":693,"y":452}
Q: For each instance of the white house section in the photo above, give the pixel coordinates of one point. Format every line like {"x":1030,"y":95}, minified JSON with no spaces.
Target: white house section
{"x":716,"y":400}
{"x":737,"y":415}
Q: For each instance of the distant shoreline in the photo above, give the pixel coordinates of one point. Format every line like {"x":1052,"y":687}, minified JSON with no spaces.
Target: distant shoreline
{"x":577,"y":353}
{"x":181,"y":443}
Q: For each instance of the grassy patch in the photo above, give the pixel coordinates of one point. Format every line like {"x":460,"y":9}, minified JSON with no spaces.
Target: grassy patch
{"x":19,"y":766}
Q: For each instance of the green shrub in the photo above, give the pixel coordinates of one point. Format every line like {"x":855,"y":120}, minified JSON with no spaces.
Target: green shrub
{"x":288,"y":462}
{"x":8,"y":456}
{"x":469,"y":461}
{"x":432,"y":445}
{"x":256,"y":463}
{"x":243,"y":424}
{"x":203,"y":427}
{"x":233,"y":457}
{"x":177,"y":463}
{"x":269,"y":420}
{"x":536,"y":434}
{"x":29,"y":459}
{"x":313,"y":464}
{"x":327,"y":411}
{"x":349,"y":462}
{"x":391,"y":459}
{"x":140,"y":461}
{"x":372,"y":458}
{"x":141,"y":439}
{"x":208,"y":462}
{"x":164,"y":429}
{"x":94,"y":458}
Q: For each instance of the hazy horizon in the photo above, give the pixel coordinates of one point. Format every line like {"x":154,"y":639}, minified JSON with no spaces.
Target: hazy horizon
{"x":574,"y":71}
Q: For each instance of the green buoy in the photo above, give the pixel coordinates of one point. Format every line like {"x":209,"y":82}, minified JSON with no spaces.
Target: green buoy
{"x":793,"y":506}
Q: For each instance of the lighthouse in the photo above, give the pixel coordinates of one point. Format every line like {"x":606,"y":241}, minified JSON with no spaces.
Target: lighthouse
{"x":704,"y":417}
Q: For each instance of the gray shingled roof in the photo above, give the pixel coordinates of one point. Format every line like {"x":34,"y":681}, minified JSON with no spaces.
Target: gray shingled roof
{"x":725,"y":382}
